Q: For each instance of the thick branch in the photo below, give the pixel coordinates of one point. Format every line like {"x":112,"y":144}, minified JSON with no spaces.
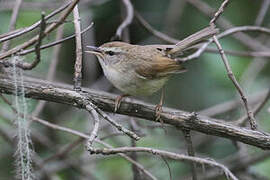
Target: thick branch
{"x":37,"y":89}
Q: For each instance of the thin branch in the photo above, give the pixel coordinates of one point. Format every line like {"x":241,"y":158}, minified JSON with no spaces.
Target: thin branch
{"x":39,"y":89}
{"x":78,"y":63}
{"x":27,"y":66}
{"x":10,"y":33}
{"x":250,"y":114}
{"x":46,"y":32}
{"x":128,"y":19}
{"x":17,"y":33}
{"x":223,"y":34}
{"x":24,"y":52}
{"x":114,"y":123}
{"x":219,"y":12}
{"x":166,"y":154}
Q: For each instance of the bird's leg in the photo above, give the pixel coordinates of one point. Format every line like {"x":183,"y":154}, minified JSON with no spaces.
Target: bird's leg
{"x":118,"y":101}
{"x":158,"y":108}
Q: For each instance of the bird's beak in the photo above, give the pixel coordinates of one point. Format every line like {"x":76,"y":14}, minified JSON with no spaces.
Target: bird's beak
{"x":95,"y":50}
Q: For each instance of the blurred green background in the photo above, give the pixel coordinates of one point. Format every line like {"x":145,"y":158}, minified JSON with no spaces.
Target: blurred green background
{"x":204,"y":85}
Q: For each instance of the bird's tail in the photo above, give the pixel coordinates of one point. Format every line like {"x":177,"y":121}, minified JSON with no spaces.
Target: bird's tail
{"x":194,"y":39}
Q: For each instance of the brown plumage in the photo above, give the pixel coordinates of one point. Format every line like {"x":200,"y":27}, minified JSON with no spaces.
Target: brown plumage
{"x":142,"y":70}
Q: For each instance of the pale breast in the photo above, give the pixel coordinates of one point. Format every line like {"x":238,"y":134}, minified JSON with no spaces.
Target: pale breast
{"x":131,"y":84}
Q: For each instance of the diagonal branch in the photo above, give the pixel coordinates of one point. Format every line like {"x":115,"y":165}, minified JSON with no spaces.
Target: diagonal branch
{"x":249,"y":112}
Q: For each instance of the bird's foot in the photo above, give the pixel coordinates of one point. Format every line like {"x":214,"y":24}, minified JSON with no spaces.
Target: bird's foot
{"x":118,"y":100}
{"x":158,"y":110}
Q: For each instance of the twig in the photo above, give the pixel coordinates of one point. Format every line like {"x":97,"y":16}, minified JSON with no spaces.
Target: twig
{"x":24,"y":64}
{"x":223,"y":34}
{"x":257,"y":109}
{"x":10,"y":33}
{"x":190,"y":151}
{"x":46,"y":32}
{"x":78,"y":63}
{"x":37,"y":47}
{"x":114,"y":123}
{"x":166,"y":154}
{"x":230,"y":74}
{"x":29,"y":66}
{"x":219,"y":12}
{"x":94,"y":132}
{"x":128,"y":19}
{"x":17,"y":33}
{"x":24,"y":52}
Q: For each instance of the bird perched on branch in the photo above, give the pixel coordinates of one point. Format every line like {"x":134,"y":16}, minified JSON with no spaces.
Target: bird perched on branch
{"x":141,"y":70}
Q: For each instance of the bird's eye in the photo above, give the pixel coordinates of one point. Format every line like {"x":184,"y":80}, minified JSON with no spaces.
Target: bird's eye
{"x":111,"y":53}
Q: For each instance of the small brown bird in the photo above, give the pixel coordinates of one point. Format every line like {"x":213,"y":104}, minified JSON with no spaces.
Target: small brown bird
{"x":142,"y":70}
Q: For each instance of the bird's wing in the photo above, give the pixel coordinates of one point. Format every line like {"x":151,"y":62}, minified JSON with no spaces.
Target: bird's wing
{"x":159,"y":67}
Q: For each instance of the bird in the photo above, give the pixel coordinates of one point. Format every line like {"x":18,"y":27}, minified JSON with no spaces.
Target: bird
{"x":141,"y":70}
